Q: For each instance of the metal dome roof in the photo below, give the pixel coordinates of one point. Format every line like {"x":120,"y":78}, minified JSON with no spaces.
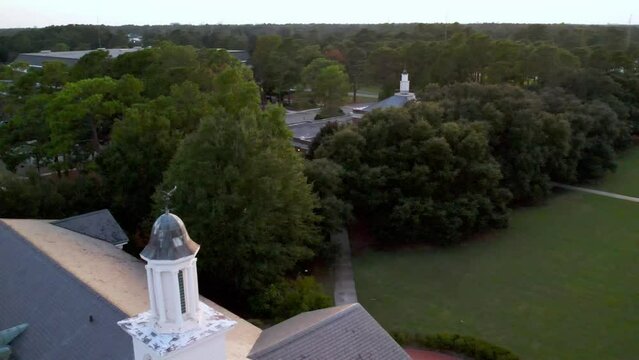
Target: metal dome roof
{"x":169,"y":240}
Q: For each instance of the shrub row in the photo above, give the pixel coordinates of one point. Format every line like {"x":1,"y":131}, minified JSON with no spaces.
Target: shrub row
{"x":464,"y":345}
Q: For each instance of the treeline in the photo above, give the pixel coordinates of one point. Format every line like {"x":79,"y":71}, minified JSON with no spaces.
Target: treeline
{"x":60,"y":38}
{"x":499,"y":118}
{"x":119,"y":131}
{"x":455,"y":163}
{"x":526,"y":55}
{"x":533,"y":56}
{"x":367,"y":37}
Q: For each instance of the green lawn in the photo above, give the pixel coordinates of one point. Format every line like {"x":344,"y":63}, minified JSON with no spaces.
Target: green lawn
{"x":562,"y":282}
{"x":3,"y":169}
{"x":626,"y":179}
{"x":370,"y":89}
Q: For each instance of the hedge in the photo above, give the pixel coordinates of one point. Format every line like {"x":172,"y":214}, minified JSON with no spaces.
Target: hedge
{"x":464,"y":345}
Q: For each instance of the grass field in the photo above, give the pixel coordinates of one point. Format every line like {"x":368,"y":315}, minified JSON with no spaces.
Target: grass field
{"x":562,"y":282}
{"x":626,"y":179}
{"x":3,"y":169}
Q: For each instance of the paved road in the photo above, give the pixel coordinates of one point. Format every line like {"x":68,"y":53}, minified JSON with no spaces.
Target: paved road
{"x":296,"y":117}
{"x":293,"y":117}
{"x":596,"y":192}
{"x":344,"y":281}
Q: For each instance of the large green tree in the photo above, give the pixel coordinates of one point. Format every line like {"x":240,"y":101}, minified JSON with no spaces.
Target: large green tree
{"x":27,"y":135}
{"x":415,"y":177}
{"x":329,"y":84}
{"x":244,"y":198}
{"x":141,"y":146}
{"x":277,"y":63}
{"x":80,"y":116}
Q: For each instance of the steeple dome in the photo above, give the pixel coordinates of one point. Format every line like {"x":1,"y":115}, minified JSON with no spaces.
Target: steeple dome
{"x":169,"y":240}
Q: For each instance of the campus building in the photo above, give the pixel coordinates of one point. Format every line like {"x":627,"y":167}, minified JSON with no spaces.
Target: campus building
{"x":70,"y":58}
{"x":68,"y":292}
{"x":305,"y":131}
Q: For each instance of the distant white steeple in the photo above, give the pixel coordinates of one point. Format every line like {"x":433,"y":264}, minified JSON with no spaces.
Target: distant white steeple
{"x":178,"y":326}
{"x":404,"y":84}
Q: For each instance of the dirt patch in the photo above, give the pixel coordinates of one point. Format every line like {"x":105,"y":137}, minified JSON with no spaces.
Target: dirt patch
{"x":360,"y":237}
{"x":417,"y":354}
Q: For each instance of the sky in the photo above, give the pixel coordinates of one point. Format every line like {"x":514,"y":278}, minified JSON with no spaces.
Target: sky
{"x":40,"y":13}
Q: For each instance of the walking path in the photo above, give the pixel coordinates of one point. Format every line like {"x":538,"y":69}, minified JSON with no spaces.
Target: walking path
{"x":596,"y":192}
{"x":344,"y":292}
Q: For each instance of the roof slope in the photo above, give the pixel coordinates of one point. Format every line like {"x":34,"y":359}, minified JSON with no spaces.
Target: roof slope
{"x":341,"y":332}
{"x":39,"y":60}
{"x":395,"y":101}
{"x":307,"y":130}
{"x":116,"y":276}
{"x":57,"y":306}
{"x":97,"y":224}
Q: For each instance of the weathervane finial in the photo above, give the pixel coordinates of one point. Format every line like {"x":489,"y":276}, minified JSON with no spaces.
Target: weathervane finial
{"x":167,"y":198}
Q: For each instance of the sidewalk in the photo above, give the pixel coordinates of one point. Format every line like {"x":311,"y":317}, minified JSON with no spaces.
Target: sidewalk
{"x":596,"y":192}
{"x":344,"y":281}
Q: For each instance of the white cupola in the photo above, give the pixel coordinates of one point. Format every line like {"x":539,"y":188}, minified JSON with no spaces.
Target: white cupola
{"x":404,"y":84}
{"x":172,"y":275}
{"x":178,"y":325}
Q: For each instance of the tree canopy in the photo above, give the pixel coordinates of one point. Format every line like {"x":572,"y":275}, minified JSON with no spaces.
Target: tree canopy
{"x":241,"y":190}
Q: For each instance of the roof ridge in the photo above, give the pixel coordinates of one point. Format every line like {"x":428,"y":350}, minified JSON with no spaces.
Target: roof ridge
{"x":79,"y":216}
{"x":347,"y":309}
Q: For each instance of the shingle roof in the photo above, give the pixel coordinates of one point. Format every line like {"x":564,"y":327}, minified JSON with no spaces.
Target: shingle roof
{"x":242,"y":55}
{"x":97,"y":224}
{"x":337,"y":333}
{"x":57,"y":306}
{"x":117,"y":277}
{"x":396,"y":101}
{"x":306,"y":131}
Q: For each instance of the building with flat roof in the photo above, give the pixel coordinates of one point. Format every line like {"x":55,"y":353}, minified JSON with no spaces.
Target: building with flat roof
{"x":70,"y":58}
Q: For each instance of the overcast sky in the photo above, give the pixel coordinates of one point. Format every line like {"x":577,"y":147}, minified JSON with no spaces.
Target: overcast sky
{"x":39,"y":13}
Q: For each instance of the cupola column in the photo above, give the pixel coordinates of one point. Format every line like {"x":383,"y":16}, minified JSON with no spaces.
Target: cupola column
{"x":194,"y":287}
{"x":149,"y":282}
{"x":158,"y":291}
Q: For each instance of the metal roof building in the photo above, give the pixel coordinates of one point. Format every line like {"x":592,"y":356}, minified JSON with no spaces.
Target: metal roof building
{"x":68,"y":58}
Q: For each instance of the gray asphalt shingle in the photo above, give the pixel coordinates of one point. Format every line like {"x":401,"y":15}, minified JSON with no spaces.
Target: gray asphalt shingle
{"x":97,"y":224}
{"x":395,"y":101}
{"x":337,"y":333}
{"x":57,"y":306}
